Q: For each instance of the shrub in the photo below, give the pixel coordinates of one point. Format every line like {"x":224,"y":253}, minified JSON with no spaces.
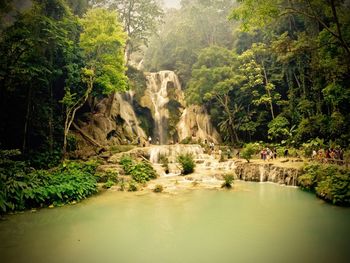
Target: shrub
{"x":308,"y":180}
{"x":127,"y":163}
{"x":228,"y":181}
{"x":72,"y":142}
{"x":65,"y":185}
{"x":187,"y":163}
{"x":122,"y":185}
{"x":23,"y":188}
{"x":335,"y":188}
{"x":311,"y":145}
{"x":329,"y":182}
{"x":158,"y":188}
{"x":187,"y":140}
{"x":140,"y":172}
{"x":103,"y":177}
{"x":132,"y":186}
{"x":165,"y":163}
{"x":44,"y":159}
{"x":108,"y":184}
{"x":143,"y":172}
{"x":249,"y":150}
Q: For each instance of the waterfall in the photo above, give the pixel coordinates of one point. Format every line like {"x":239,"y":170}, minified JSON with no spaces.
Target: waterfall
{"x":158,"y":85}
{"x":172,"y":151}
{"x":172,"y":117}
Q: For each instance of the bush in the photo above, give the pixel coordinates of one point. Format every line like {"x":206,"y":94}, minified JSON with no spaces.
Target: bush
{"x":108,"y":184}
{"x":249,"y":150}
{"x":187,"y":163}
{"x":165,"y":163}
{"x":140,"y":172}
{"x":329,"y":182}
{"x":187,"y":140}
{"x":335,"y":188}
{"x":313,"y":144}
{"x":228,"y":181}
{"x":103,"y":177}
{"x":127,"y":163}
{"x":308,"y":180}
{"x":132,"y":186}
{"x":143,"y":172}
{"x":24,"y":188}
{"x":158,"y":188}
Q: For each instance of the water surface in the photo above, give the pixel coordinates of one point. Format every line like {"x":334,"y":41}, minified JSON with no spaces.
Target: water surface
{"x":255,"y":223}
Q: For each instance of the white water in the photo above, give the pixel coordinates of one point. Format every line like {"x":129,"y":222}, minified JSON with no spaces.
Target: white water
{"x":172,"y":151}
{"x":157,"y":86}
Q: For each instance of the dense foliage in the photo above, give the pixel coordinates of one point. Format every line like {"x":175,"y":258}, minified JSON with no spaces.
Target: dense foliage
{"x":51,"y":58}
{"x":187,"y":163}
{"x":25,"y":188}
{"x":282,"y":77}
{"x":329,"y":182}
{"x":140,"y":172}
{"x":198,"y":24}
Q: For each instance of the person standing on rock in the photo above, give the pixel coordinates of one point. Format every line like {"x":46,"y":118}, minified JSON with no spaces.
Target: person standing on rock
{"x":149,"y":140}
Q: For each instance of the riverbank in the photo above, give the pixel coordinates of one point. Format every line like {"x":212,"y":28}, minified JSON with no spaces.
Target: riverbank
{"x":210,"y":170}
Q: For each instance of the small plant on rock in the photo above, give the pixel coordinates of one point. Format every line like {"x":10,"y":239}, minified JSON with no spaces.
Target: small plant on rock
{"x":127,"y":163}
{"x":228,"y":181}
{"x":143,"y":172}
{"x":187,"y":163}
{"x":108,"y":184}
{"x":132,"y":186}
{"x":165,"y":163}
{"x":158,"y":188}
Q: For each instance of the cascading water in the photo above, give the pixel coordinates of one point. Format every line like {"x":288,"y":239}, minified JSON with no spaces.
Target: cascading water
{"x":157,"y":89}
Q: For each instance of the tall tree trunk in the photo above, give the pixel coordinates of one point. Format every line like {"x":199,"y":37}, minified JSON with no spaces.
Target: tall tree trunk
{"x":51,"y":124}
{"x":336,"y":20}
{"x":71,"y":111}
{"x":268,"y":91}
{"x":233,"y":134}
{"x":26,"y":120}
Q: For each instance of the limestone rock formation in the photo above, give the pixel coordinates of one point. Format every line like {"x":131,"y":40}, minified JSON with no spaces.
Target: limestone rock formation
{"x":195,"y":123}
{"x":266,"y":173}
{"x":174,"y":121}
{"x":113,"y":121}
{"x":162,"y":110}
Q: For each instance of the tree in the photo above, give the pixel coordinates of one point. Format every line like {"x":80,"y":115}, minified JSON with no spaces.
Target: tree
{"x":197,"y":25}
{"x":248,"y":151}
{"x":307,"y":62}
{"x":140,"y":20}
{"x":102,"y":41}
{"x":279,"y":128}
{"x":213,"y":78}
{"x":33,"y":67}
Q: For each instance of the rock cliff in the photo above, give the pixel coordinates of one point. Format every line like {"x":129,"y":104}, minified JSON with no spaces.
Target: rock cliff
{"x":160,"y":112}
{"x":257,"y":172}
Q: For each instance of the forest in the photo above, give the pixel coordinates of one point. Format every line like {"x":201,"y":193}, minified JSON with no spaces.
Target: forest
{"x":270,"y":71}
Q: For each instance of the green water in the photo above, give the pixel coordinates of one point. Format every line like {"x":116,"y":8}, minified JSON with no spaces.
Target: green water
{"x":255,"y":223}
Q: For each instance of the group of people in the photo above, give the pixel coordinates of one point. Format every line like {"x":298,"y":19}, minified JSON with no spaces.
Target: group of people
{"x":267,"y":154}
{"x":331,"y":153}
{"x":149,"y":141}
